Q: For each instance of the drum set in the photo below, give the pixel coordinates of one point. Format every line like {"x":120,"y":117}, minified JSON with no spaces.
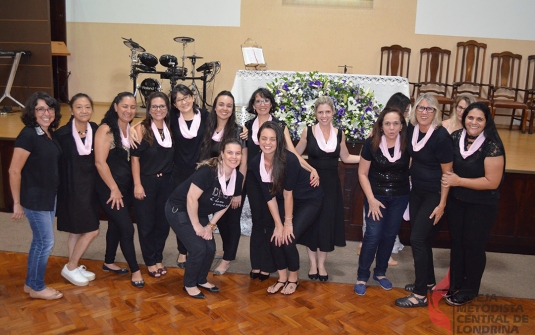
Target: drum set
{"x":144,"y":62}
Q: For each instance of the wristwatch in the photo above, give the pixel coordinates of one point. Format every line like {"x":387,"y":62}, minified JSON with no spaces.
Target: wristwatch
{"x":213,"y":226}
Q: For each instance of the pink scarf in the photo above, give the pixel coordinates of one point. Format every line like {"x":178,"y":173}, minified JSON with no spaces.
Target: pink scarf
{"x":255,"y":129}
{"x":166,"y":142}
{"x":474,"y":147}
{"x":417,"y":146}
{"x":326,"y":146}
{"x":191,"y":132}
{"x":83,"y":149}
{"x":397,"y":149}
{"x":125,"y":140}
{"x":264,"y":174}
{"x":227,"y":190}
{"x":218,"y":136}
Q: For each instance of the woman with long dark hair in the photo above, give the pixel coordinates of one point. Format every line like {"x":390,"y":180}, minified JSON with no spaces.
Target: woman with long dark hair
{"x":152,"y":166}
{"x":384,"y":178}
{"x":478,"y":169}
{"x":221,"y":126}
{"x":115,"y":186}
{"x":262,"y":104}
{"x":208,"y":191}
{"x":292,"y":202}
{"x":34,"y":179}
{"x":325,"y":145}
{"x":77,"y":208}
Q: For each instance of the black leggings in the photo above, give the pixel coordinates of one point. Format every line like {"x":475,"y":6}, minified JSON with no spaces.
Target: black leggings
{"x":286,"y":256}
{"x":179,"y":176}
{"x":120,"y":228}
{"x":262,"y":229}
{"x":470,"y":225}
{"x":230,"y":230}
{"x":421,"y":205}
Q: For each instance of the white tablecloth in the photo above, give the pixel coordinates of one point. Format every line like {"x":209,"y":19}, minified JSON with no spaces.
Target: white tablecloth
{"x":247,"y":81}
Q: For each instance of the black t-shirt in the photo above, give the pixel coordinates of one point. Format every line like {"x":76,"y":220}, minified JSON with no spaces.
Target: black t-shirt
{"x":40,"y":177}
{"x":425,"y":170}
{"x":296,"y":180}
{"x":187,"y":151}
{"x":212,"y":200}
{"x":153,"y":159}
{"x":473,"y":167}
{"x":387,"y":179}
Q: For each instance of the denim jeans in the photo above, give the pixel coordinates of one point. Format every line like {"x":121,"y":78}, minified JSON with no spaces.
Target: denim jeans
{"x":380,"y":235}
{"x":42,"y":224}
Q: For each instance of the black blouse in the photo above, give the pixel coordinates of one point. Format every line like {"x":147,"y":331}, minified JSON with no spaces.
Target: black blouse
{"x":212,"y":200}
{"x":387,"y":179}
{"x":425,"y":170}
{"x":40,"y":177}
{"x":320,"y":159}
{"x":473,"y":167}
{"x":187,"y":151}
{"x":153,"y":159}
{"x":215,"y":147}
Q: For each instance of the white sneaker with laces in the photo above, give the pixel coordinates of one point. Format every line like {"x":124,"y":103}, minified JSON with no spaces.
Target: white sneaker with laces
{"x":74,"y":276}
{"x":88,"y":274}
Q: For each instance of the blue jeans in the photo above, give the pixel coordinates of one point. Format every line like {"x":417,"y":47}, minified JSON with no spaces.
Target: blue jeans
{"x":380,"y":236}
{"x":42,"y":224}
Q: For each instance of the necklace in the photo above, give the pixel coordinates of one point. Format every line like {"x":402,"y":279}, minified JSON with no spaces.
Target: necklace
{"x":82,"y":133}
{"x":161,"y":133}
{"x":470,"y":139}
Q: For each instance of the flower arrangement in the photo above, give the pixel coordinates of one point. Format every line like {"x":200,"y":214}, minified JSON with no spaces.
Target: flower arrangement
{"x":356,"y":109}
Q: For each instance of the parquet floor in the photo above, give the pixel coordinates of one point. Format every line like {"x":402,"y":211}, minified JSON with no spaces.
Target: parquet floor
{"x":110,"y":305}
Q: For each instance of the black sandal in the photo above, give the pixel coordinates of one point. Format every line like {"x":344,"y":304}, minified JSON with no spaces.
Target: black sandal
{"x":406,"y":303}
{"x":296,"y":283}
{"x":410,"y":287}
{"x":284,"y":283}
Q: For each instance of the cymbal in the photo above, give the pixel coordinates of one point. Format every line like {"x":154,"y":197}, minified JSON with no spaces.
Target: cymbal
{"x":194,"y":57}
{"x":133,"y":45}
{"x":182,"y":39}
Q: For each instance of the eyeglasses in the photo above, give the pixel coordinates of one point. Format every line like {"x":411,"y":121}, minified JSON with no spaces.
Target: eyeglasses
{"x":460,"y":109}
{"x":42,"y":110}
{"x":158,"y":107}
{"x":262,"y":101}
{"x":422,"y":109}
{"x":183,"y":100}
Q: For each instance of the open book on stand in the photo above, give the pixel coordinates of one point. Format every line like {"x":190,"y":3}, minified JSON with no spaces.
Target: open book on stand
{"x":253,"y":56}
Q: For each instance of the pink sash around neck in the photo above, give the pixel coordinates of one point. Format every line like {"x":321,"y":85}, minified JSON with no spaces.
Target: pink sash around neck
{"x":397,"y":149}
{"x":166,"y":142}
{"x":330,"y":144}
{"x":417,"y":146}
{"x":255,"y":128}
{"x":474,"y":147}
{"x":264,"y":174}
{"x":189,"y":133}
{"x":84,"y":149}
{"x":227,"y":190}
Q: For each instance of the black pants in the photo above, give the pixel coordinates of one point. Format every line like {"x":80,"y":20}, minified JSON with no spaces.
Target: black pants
{"x":262,"y":229}
{"x":152,"y":225}
{"x":286,"y":256}
{"x":230,"y":230}
{"x":120,"y":228}
{"x":421,"y":205}
{"x":470,"y":225}
{"x":179,"y":176}
{"x":200,"y":251}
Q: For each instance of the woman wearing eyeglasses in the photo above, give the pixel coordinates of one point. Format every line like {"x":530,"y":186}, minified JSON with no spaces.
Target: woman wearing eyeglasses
{"x":152,"y":166}
{"x":455,"y":121}
{"x":262,"y":103}
{"x":34,"y":179}
{"x":431,"y":149}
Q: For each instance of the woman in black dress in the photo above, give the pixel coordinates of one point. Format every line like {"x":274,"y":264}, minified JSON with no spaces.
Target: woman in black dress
{"x":431,"y":150}
{"x":115,"y":186}
{"x":220,"y":127}
{"x":262,"y":103}
{"x":325,"y":144}
{"x":77,"y":208}
{"x":478,"y":165}
{"x":152,"y":166}
{"x":208,"y":191}
{"x":292,"y":202}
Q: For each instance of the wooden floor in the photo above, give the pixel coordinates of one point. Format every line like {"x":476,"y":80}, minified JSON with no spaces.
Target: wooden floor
{"x":110,"y":305}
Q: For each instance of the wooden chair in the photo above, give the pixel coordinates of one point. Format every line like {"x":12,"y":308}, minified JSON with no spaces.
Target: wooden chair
{"x":395,"y":61}
{"x":469,"y":69}
{"x":503,"y":86}
{"x":529,"y":97}
{"x":433,"y":75}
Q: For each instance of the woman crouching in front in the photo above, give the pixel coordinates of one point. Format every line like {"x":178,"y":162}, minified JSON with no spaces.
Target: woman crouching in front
{"x":208,"y":191}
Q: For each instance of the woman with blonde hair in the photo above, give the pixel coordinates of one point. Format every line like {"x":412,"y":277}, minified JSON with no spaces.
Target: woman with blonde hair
{"x":455,"y":121}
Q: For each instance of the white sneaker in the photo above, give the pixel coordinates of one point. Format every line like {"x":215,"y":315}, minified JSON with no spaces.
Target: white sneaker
{"x":74,"y":276}
{"x":88,"y":274}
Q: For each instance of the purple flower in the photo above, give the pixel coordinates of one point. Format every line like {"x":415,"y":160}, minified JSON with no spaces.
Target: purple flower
{"x":285,"y":87}
{"x":282,"y":107}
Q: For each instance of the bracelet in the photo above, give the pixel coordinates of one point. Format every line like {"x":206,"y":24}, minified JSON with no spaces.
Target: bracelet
{"x":212,"y":226}
{"x":289,"y":224}
{"x":291,"y":217}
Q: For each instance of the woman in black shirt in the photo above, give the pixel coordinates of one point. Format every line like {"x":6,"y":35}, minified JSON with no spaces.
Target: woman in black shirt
{"x":152,"y":164}
{"x":384,"y":178}
{"x":290,"y":199}
{"x":431,"y":150}
{"x":208,"y":191}
{"x":34,"y":179}
{"x":478,"y":165}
